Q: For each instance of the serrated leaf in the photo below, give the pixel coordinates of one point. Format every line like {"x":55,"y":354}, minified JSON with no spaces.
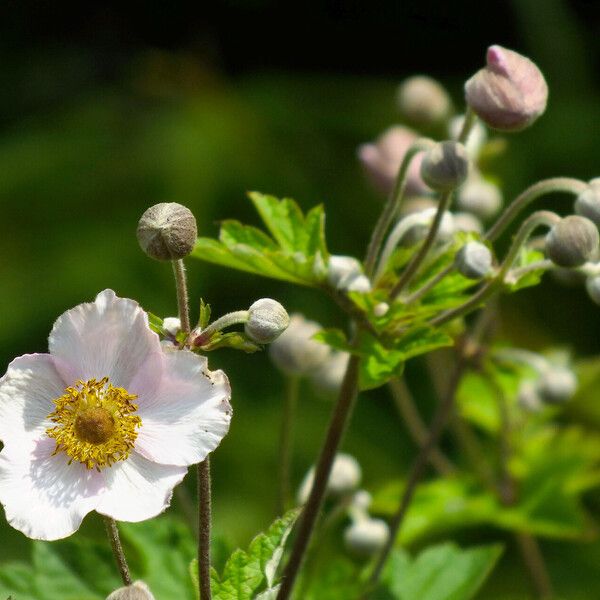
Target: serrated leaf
{"x":444,"y":572}
{"x":204,"y":314}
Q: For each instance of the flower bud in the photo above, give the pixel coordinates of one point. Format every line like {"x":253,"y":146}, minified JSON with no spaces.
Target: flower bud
{"x":294,"y":352}
{"x":510,"y":93}
{"x":445,"y":166}
{"x":528,"y":396}
{"x":587,"y":203}
{"x":344,"y":478}
{"x":167,"y":231}
{"x":346,"y":273}
{"x":480,"y":197}
{"x":557,"y":384}
{"x":416,"y":227}
{"x":381,"y":309}
{"x":327,"y":379}
{"x":423,"y":100}
{"x":477,"y":136}
{"x":172,"y":325}
{"x":137,"y":591}
{"x":381,"y":160}
{"x":592,"y":285}
{"x":464,"y":221}
{"x":365,"y":537}
{"x":572,"y":241}
{"x":473,"y":260}
{"x":267,"y":320}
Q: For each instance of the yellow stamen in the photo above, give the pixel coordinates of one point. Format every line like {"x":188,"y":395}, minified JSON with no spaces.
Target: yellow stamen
{"x":95,"y":424}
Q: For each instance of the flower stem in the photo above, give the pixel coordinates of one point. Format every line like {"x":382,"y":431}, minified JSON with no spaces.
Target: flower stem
{"x":232,"y":318}
{"x":337,"y":427}
{"x":286,"y":442}
{"x":467,"y":126}
{"x":204,"y":519}
{"x":115,"y":543}
{"x":391,"y":207}
{"x":534,"y":561}
{"x":182,"y":294}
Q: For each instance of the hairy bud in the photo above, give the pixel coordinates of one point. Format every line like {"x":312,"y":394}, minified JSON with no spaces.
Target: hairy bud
{"x":136,"y":591}
{"x":592,"y":285}
{"x":172,"y":325}
{"x":557,"y":385}
{"x":480,"y":197}
{"x":327,"y":379}
{"x":572,"y":241}
{"x":344,"y":478}
{"x":167,"y":231}
{"x":587,"y":203}
{"x":267,"y":320}
{"x":510,"y":93}
{"x":423,"y":101}
{"x":473,"y":260}
{"x":346,"y":273}
{"x":445,"y":166}
{"x":365,"y":537}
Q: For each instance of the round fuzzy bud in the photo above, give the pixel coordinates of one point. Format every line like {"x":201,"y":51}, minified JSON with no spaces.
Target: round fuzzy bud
{"x":557,"y":385}
{"x":346,"y":273}
{"x":267,"y":320}
{"x":423,"y":100}
{"x":167,"y":231}
{"x":327,"y":379}
{"x":344,"y":478}
{"x":592,"y":285}
{"x":480,"y":197}
{"x":172,"y":325}
{"x":528,"y":396}
{"x":294,"y":352}
{"x":473,"y":260}
{"x":572,"y":241}
{"x":477,"y":136}
{"x":361,"y":500}
{"x":381,"y":309}
{"x":381,"y":160}
{"x":510,"y":93}
{"x":137,"y":591}
{"x":445,"y":166}
{"x":587,"y":203}
{"x":464,"y":221}
{"x":416,"y":227}
{"x":365,"y":537}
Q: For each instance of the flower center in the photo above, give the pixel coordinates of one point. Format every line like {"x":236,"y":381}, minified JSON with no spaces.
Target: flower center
{"x":95,"y":424}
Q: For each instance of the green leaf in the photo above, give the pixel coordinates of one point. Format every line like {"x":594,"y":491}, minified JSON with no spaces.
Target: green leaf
{"x":155,"y":323}
{"x":527,"y":257}
{"x":444,"y":572}
{"x":335,"y":338}
{"x":204,"y":314}
{"x":246,"y":572}
{"x":233,"y":339}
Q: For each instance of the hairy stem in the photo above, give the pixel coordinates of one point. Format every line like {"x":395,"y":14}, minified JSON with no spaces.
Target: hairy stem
{"x":337,"y":427}
{"x":286,"y":442}
{"x":115,"y":543}
{"x":204,"y":522}
{"x":182,"y":294}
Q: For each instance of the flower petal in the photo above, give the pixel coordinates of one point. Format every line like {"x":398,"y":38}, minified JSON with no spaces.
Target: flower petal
{"x":27,"y":390}
{"x":109,"y":337}
{"x":43,"y":496}
{"x":189,"y":415}
{"x":138,"y":489}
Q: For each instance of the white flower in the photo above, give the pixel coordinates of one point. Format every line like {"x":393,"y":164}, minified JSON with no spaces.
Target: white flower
{"x":109,"y":420}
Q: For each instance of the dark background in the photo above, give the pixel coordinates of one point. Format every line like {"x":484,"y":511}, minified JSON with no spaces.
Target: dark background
{"x":107,"y":108}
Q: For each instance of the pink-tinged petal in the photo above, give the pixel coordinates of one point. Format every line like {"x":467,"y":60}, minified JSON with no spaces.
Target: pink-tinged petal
{"x":43,"y":496}
{"x":190,"y":414}
{"x":27,"y":390}
{"x":138,"y":489}
{"x":110,"y":338}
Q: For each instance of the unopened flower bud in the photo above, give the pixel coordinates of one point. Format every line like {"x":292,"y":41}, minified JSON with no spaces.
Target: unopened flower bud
{"x":592,"y":285}
{"x":416,"y":227}
{"x":361,"y":500}
{"x":327,"y":379}
{"x":557,"y":384}
{"x":473,"y":260}
{"x":587,"y":203}
{"x":365,"y":537}
{"x":172,"y":325}
{"x":344,"y":478}
{"x":480,"y":197}
{"x":294,"y":352}
{"x":423,"y":101}
{"x":528,"y":396}
{"x":510,"y":93}
{"x":346,"y":273}
{"x":137,"y":591}
{"x":381,"y":309}
{"x":445,"y":166}
{"x":267,"y":320}
{"x":382,"y":159}
{"x":167,"y":231}
{"x":464,"y":221}
{"x":572,"y":241}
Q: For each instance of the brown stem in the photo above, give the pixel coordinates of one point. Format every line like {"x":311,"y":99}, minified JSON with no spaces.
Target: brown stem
{"x":182,"y":294}
{"x":337,"y":427}
{"x":534,"y":561}
{"x":115,"y":543}
{"x":204,"y":518}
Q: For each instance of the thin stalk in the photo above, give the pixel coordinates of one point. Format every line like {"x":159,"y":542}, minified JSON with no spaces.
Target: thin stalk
{"x":232,"y":318}
{"x":182,"y":294}
{"x":417,"y":429}
{"x":470,"y":119}
{"x":421,"y":255}
{"x":115,"y":543}
{"x":536,"y":566}
{"x":418,"y":468}
{"x":541,"y":188}
{"x":286,"y":442}
{"x":337,"y":427}
{"x":429,"y":285}
{"x":204,"y":522}
{"x":391,"y":207}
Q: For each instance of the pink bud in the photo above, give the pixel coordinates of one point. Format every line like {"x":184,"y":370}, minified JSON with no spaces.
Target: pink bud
{"x":382,"y":158}
{"x":510,"y":93}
